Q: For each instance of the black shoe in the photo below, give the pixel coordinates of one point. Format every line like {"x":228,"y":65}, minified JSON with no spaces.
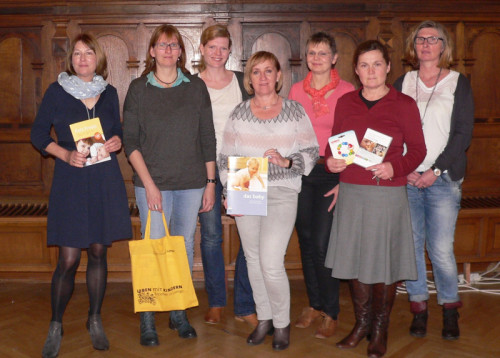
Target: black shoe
{"x":53,"y":342}
{"x":149,"y":337}
{"x":96,"y":331}
{"x":418,"y":326}
{"x":450,"y":324}
{"x":259,"y":333}
{"x":281,"y":339}
{"x":180,"y":323}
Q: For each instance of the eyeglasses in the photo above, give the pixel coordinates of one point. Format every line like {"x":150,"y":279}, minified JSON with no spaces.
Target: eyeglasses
{"x":431,"y":40}
{"x":164,"y":45}
{"x":321,"y":54}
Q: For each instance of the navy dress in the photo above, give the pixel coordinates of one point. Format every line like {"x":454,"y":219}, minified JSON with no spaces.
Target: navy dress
{"x":87,"y":205}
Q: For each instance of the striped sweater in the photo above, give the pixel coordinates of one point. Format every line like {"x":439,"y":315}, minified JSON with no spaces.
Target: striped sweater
{"x":290,"y":132}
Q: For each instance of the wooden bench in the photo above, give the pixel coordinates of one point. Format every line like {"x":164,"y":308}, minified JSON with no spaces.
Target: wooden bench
{"x":24,"y":253}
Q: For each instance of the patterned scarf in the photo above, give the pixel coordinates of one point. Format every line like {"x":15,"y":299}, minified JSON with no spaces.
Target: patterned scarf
{"x":81,"y":89}
{"x":318,"y":96}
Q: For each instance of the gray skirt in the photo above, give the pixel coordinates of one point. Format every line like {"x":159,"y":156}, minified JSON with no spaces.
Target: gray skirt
{"x":371,"y":238}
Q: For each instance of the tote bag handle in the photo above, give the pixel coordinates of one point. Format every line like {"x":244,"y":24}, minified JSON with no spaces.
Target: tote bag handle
{"x":147,"y":233}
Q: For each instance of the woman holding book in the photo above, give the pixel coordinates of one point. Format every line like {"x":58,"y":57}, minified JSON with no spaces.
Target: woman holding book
{"x":170,"y":141}
{"x":88,"y":204}
{"x":444,"y":98}
{"x":226,"y":91}
{"x":318,"y":93}
{"x":279,"y":129}
{"x":371,"y":242}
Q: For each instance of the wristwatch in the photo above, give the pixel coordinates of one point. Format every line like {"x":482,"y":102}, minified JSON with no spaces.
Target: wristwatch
{"x":212,"y":181}
{"x":436,"y":171}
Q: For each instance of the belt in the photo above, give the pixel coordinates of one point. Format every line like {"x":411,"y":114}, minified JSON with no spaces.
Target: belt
{"x":321,"y":160}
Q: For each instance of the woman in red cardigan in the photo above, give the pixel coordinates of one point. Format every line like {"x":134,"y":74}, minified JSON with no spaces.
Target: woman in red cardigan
{"x":371,"y":242}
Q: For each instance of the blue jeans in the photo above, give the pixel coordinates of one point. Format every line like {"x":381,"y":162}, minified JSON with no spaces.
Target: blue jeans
{"x":213,"y":263}
{"x":434,"y":212}
{"x":181,"y":212}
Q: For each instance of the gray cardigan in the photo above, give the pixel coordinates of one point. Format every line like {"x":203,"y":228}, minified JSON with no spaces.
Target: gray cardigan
{"x":453,"y":157}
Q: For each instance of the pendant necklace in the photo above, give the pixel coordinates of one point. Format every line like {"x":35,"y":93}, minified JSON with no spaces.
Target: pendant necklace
{"x":265,"y":108}
{"x":166,"y":83}
{"x":433,"y":89}
{"x":87,"y":108}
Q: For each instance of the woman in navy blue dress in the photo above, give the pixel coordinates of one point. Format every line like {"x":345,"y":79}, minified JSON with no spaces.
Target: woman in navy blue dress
{"x":88,"y":207}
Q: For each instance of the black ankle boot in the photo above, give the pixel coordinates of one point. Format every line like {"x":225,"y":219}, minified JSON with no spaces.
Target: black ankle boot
{"x":259,"y":333}
{"x":281,"y":339}
{"x":180,"y":323}
{"x":149,"y":337}
{"x":418,"y":326}
{"x":450,"y":321}
{"x":96,"y":331}
{"x":53,"y":342}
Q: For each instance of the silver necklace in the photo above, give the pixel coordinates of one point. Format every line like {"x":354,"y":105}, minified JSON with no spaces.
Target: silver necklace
{"x":87,"y":108}
{"x":265,"y":108}
{"x":433,"y":89}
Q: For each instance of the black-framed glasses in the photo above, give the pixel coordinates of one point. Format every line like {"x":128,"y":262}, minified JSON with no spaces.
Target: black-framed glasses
{"x":431,"y":40}
{"x":164,"y":45}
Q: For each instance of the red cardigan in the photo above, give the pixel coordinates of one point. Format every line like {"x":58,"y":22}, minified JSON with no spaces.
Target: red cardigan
{"x":396,"y":115}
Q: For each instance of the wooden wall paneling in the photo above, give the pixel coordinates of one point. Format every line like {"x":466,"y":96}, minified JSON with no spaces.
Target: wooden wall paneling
{"x":21,"y":61}
{"x":20,"y":82}
{"x":482,"y":45}
{"x":468,"y":238}
{"x":483,"y":165}
{"x":23,"y":246}
{"x":493,"y":238}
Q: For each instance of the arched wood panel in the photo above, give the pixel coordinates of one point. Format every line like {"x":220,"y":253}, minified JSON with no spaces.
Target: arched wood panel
{"x":486,"y":89}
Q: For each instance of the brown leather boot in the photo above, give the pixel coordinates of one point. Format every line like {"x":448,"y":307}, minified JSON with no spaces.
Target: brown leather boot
{"x":307,"y":316}
{"x":418,"y":326}
{"x":382,"y":301}
{"x":327,"y":327}
{"x":214,"y":315}
{"x":251,"y":319}
{"x":361,"y":299}
{"x":450,"y":321}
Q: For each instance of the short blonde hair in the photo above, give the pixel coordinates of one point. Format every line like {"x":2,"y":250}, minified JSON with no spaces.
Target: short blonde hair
{"x":446,"y":58}
{"x":90,"y":41}
{"x":254,"y":60}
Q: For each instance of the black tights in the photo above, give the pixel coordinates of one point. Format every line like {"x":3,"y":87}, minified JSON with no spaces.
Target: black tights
{"x":63,"y":280}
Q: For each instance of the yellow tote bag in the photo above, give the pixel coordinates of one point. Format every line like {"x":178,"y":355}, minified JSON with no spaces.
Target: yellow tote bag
{"x":161,"y":278}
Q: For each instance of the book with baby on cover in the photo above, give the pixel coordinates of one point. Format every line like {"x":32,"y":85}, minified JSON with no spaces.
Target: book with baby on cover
{"x":89,"y":140}
{"x":370,"y":151}
{"x":247,"y":186}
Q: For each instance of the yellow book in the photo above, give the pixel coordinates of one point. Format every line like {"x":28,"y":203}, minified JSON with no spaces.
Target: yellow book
{"x":89,"y":140}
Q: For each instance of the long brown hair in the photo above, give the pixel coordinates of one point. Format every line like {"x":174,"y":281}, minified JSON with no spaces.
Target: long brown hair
{"x":169,"y":31}
{"x":90,"y":41}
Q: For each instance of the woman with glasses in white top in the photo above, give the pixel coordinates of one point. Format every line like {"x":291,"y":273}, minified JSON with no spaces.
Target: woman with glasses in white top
{"x":170,"y":141}
{"x":444,"y":98}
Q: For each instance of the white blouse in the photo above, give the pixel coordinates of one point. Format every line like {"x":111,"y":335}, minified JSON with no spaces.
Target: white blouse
{"x":436,"y":119}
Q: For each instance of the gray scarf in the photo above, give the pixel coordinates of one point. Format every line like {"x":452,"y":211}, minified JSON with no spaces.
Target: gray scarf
{"x":81,"y":89}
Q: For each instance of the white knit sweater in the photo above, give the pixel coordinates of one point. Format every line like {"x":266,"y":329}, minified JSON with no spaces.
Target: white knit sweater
{"x":290,"y":132}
